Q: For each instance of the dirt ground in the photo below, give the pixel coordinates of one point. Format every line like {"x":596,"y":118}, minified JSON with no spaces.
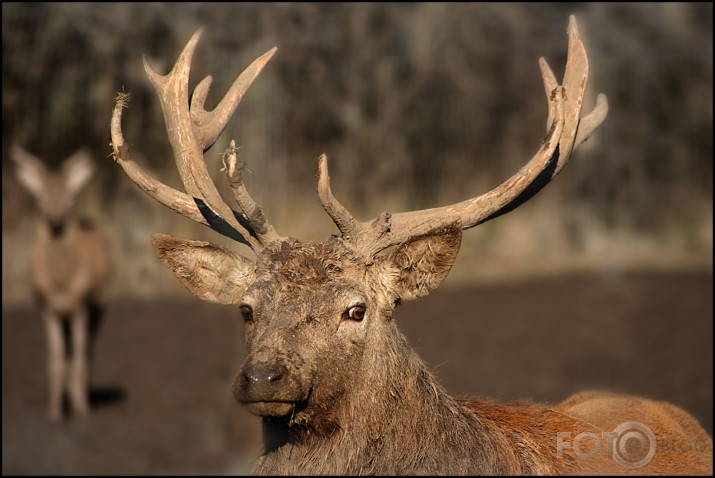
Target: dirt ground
{"x":161,"y":390}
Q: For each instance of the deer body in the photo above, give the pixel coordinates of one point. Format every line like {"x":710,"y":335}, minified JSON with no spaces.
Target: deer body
{"x":338,"y":388}
{"x":347,"y":396}
{"x":70,"y":267}
{"x":70,"y":274}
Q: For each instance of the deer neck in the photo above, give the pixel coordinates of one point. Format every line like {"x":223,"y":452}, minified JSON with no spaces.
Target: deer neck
{"x":57,"y":254}
{"x":395,"y":421}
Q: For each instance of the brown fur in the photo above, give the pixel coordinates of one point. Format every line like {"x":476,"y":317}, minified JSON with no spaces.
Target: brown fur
{"x":354,"y":398}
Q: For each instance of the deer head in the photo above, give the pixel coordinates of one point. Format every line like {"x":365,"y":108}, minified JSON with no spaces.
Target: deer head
{"x":54,"y":191}
{"x":318,"y":315}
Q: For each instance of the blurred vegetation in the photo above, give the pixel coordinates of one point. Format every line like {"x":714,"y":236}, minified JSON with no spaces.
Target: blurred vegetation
{"x":417,"y":105}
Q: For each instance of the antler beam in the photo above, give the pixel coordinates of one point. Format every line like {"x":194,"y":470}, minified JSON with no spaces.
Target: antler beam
{"x":567,"y":130}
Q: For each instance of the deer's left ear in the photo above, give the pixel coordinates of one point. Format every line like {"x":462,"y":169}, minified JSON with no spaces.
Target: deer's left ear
{"x":77,"y":170}
{"x":419,"y":266}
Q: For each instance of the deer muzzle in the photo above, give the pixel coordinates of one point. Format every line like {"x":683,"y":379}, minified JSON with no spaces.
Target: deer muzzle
{"x":267,"y":388}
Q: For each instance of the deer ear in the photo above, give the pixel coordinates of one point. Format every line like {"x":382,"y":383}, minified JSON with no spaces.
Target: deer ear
{"x":77,"y":170}
{"x":419,"y":266}
{"x":30,"y":170}
{"x":210,"y":272}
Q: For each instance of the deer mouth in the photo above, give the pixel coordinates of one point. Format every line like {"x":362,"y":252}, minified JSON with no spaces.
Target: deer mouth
{"x":270,"y":404}
{"x":272,"y":408}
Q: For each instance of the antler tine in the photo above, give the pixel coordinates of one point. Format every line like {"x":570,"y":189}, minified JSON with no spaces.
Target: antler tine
{"x":173,"y":92}
{"x":575,"y":81}
{"x":342,"y":218}
{"x":210,"y":125}
{"x":565,"y":132}
{"x":254,"y":214}
{"x":592,"y":121}
{"x":575,"y":77}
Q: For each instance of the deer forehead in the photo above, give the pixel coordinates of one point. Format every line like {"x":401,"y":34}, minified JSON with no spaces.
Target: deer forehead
{"x":56,"y":198}
{"x":304,"y":263}
{"x":54,"y":186}
{"x":308,"y":278}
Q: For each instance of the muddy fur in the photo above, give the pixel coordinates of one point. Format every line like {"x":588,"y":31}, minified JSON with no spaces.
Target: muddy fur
{"x":352,"y":397}
{"x":398,"y":420}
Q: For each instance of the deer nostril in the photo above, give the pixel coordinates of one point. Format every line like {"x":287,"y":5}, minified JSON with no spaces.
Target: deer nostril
{"x":262,"y":373}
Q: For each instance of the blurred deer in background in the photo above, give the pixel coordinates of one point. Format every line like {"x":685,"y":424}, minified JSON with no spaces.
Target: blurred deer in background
{"x":70,"y":272}
{"x":338,"y":387}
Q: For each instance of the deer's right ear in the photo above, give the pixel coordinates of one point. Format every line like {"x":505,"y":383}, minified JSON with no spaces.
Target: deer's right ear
{"x":210,"y":272}
{"x":30,"y":170}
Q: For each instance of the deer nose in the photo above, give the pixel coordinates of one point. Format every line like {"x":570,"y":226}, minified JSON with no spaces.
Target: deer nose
{"x":262,"y":373}
{"x":260,"y":381}
{"x":269,"y":385}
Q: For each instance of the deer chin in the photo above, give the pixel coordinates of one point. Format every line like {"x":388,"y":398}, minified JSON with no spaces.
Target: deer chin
{"x":272,"y":409}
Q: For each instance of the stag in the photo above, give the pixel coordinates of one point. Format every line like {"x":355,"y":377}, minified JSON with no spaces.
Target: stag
{"x":71,"y":268}
{"x":337,"y":386}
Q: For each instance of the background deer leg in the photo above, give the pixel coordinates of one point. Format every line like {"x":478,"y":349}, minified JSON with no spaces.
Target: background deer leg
{"x":56,"y":368}
{"x":78,"y":367}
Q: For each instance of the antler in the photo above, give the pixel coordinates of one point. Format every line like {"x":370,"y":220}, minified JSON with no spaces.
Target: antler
{"x":192,"y":130}
{"x":565,"y":133}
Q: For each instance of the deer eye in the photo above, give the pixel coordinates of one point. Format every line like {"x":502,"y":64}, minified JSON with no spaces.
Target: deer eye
{"x":247,"y":313}
{"x":356,"y":313}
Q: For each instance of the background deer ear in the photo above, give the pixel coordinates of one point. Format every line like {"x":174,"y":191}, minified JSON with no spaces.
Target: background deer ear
{"x":210,"y":272}
{"x":420,"y":265}
{"x":30,"y":170}
{"x":77,"y":169}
